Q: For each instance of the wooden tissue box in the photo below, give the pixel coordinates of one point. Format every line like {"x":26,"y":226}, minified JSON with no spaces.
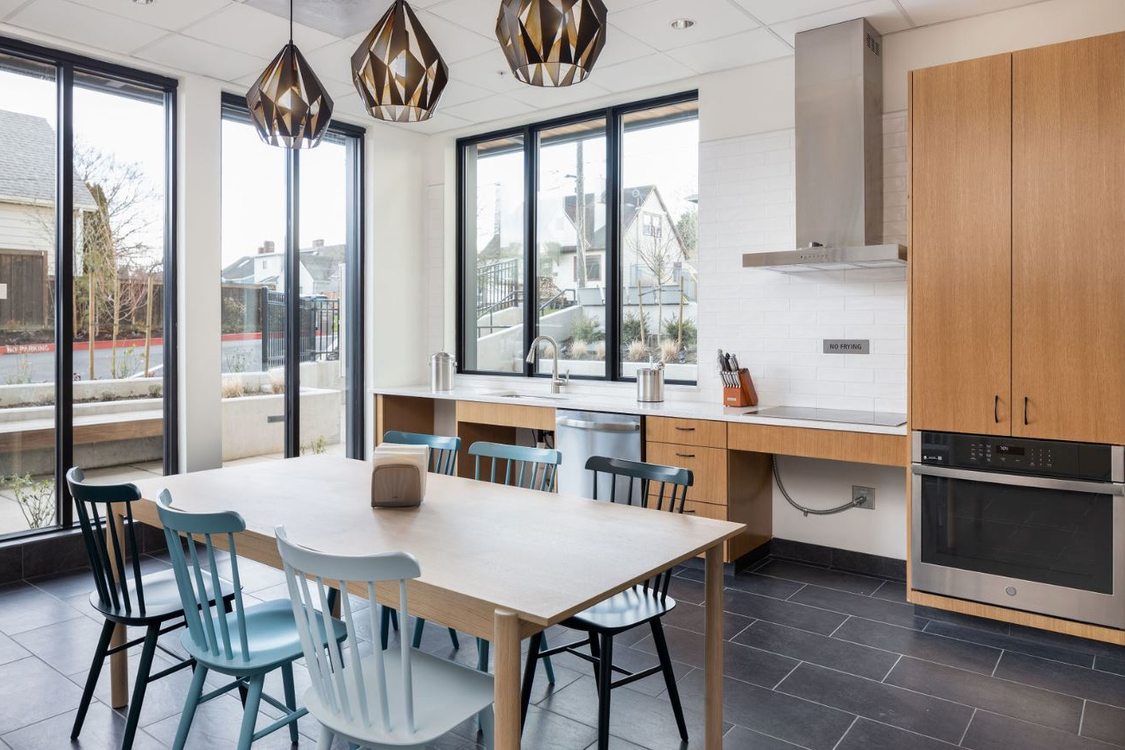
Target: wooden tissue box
{"x":398,"y":476}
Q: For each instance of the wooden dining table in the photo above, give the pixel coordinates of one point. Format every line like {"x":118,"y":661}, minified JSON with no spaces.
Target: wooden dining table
{"x":500,"y":563}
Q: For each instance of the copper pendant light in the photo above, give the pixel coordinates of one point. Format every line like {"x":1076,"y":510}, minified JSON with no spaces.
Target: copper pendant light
{"x":288,"y":104}
{"x":551,"y":42}
{"x":397,"y":70}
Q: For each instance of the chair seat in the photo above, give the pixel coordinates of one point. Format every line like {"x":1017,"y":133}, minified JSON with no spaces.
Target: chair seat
{"x":162,"y":599}
{"x":628,"y":609}
{"x":271,"y":636}
{"x":445,"y":694}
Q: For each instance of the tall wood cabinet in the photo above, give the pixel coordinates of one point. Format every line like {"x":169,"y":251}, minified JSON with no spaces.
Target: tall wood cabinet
{"x":1018,"y":243}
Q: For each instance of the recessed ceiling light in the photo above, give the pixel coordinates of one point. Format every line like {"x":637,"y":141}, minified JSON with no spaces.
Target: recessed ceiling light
{"x":682,"y":23}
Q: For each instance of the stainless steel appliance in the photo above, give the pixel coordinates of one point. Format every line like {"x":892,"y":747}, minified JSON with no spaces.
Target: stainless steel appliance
{"x":874,"y":418}
{"x":1035,"y":525}
{"x":443,"y":368}
{"x":581,"y":434}
{"x":650,"y":383}
{"x":839,"y":154}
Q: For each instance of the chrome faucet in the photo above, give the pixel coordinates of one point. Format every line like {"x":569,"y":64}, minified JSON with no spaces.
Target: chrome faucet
{"x":557,"y":384}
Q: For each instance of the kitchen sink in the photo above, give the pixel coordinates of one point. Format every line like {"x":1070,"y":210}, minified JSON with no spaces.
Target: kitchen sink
{"x":514,"y":394}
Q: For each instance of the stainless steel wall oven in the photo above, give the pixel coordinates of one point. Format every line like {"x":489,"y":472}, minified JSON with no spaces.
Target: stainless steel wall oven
{"x":1035,"y":525}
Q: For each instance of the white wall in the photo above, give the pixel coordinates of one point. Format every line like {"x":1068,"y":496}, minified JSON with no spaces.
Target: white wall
{"x":774,"y":321}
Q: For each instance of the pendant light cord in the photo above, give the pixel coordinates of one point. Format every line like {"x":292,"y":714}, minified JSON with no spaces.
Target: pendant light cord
{"x":290,"y":22}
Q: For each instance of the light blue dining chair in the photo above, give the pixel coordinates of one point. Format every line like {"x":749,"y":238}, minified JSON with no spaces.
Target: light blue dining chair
{"x":385,"y":699}
{"x":443,"y":460}
{"x":246,"y":644}
{"x":516,"y":466}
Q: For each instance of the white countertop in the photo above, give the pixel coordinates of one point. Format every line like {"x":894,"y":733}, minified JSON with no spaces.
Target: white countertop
{"x":619,"y":398}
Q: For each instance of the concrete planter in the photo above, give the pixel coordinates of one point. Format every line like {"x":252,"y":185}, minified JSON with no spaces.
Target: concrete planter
{"x":248,"y":430}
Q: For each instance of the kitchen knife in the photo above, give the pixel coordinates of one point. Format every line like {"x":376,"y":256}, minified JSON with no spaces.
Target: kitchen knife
{"x":734,"y":362}
{"x":723,"y":366}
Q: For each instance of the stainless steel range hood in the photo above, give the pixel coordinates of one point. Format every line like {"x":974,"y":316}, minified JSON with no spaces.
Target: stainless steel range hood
{"x":839,"y":123}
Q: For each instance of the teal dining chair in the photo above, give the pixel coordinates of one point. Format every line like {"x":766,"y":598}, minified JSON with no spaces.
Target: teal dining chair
{"x":381,"y":700}
{"x":516,"y":466}
{"x":443,"y":460}
{"x":246,"y":644}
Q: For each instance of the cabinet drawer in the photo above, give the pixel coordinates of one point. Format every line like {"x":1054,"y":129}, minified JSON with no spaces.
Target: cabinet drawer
{"x":706,"y":510}
{"x":709,"y":466}
{"x":686,"y":431}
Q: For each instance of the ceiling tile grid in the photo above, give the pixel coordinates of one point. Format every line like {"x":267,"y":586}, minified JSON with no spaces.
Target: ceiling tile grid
{"x":232,"y":40}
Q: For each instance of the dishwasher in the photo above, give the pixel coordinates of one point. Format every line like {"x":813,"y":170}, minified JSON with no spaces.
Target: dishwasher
{"x":581,"y":434}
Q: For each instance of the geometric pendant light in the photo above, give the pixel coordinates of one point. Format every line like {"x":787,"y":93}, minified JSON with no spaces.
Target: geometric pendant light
{"x":397,"y":70}
{"x":288,"y":104}
{"x":551,"y":42}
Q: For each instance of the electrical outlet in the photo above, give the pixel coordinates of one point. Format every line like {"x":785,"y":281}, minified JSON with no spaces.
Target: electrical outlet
{"x":864,"y":497}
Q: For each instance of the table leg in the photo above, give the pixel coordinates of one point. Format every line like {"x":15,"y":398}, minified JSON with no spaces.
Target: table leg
{"x":119,"y":662}
{"x":506,"y":641}
{"x":713,"y":657}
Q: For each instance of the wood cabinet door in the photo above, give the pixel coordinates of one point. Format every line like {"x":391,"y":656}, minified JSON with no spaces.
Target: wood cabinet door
{"x":960,"y":247}
{"x":1068,"y":227}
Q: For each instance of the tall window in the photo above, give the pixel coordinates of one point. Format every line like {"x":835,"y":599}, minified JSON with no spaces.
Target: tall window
{"x":85,"y":262}
{"x":292,"y":379}
{"x":603,"y":234}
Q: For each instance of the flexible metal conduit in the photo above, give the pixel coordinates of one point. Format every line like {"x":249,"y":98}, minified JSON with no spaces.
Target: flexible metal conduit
{"x":814,"y":511}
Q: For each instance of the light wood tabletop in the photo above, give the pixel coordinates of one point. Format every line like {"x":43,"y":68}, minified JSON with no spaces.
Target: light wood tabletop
{"x":497,"y":562}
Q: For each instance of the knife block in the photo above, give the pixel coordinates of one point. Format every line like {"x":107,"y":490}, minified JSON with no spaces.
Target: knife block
{"x":744,"y":394}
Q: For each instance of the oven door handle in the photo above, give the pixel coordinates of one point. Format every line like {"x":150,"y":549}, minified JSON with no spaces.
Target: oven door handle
{"x":1019,"y":480}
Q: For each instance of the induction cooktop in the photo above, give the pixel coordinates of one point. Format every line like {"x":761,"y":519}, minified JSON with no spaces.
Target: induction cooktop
{"x":876,"y":418}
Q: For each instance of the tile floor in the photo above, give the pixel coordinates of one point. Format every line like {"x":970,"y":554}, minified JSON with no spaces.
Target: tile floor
{"x":815,"y":659}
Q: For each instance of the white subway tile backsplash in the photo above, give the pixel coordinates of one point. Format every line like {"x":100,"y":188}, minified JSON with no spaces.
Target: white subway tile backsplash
{"x":777,"y":322}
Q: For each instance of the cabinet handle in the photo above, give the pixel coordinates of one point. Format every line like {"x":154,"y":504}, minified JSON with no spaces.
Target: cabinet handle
{"x":1025,"y":400}
{"x":686,"y":429}
{"x":996,"y":409}
{"x":686,"y":455}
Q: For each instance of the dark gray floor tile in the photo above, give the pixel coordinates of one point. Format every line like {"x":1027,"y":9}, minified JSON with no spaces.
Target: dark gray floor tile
{"x":818,"y":649}
{"x":1102,"y":687}
{"x":871,"y":735}
{"x":693,"y":617}
{"x":66,"y":585}
{"x":778,"y":588}
{"x":1105,"y":723}
{"x":68,"y":646}
{"x":26,"y":608}
{"x":103,"y":728}
{"x":163,"y":697}
{"x":1002,"y":641}
{"x":965,"y":621}
{"x":10,"y":650}
{"x":888,"y":704}
{"x":740,"y":662}
{"x":833,"y":579}
{"x":686,"y":590}
{"x":253,"y":576}
{"x":636,"y":658}
{"x":800,"y":722}
{"x":638,"y":718}
{"x":30,"y":691}
{"x":552,"y":731}
{"x":1106,"y":664}
{"x":783,"y":613}
{"x":990,"y":693}
{"x":741,"y":738}
{"x":216,"y":724}
{"x":1067,"y":642}
{"x":860,"y":606}
{"x":989,"y":731}
{"x":892,"y":591}
{"x":960,"y":654}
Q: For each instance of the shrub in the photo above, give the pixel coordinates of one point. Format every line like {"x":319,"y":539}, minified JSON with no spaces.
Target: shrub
{"x":233,"y":387}
{"x":631,"y":327}
{"x":578,"y":349}
{"x":672,"y":331}
{"x":586,"y":329}
{"x":669,"y":351}
{"x":599,"y":350}
{"x":36,"y":498}
{"x":636,"y":352}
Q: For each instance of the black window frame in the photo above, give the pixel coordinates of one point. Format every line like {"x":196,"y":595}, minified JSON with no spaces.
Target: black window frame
{"x":614,"y":118}
{"x":66,"y":65}
{"x":234,"y":109}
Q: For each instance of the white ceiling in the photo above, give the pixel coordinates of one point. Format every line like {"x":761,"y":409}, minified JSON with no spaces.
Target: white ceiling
{"x":233,"y":40}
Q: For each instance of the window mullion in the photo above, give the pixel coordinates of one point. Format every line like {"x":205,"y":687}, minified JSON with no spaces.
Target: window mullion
{"x":531,"y":250}
{"x":64,"y":290}
{"x":612,"y":270}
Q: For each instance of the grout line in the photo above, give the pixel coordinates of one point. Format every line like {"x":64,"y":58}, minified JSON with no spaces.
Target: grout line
{"x":997,"y":664}
{"x":803,"y":587}
{"x":966,"y":732}
{"x":888,"y":674}
{"x":1082,"y":716}
{"x":845,"y":734}
{"x":837,"y":628}
{"x":786,"y":677}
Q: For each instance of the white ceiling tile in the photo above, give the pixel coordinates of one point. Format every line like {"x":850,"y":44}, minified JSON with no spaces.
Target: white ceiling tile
{"x":490,"y":71}
{"x":732,"y":51}
{"x":255,"y":32}
{"x":7,"y":7}
{"x":882,"y":14}
{"x":333,"y":62}
{"x":194,"y":56}
{"x":543,"y":97}
{"x":492,"y":108}
{"x":452,"y":41}
{"x":439,"y":123}
{"x":167,"y":15}
{"x":772,"y":11}
{"x":621,"y":46}
{"x":935,"y":11}
{"x":85,"y":25}
{"x":459,"y":92}
{"x":635,"y":74}
{"x":651,"y":23}
{"x":478,"y":16}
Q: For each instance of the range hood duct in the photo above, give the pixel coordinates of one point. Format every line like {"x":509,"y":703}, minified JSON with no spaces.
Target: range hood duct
{"x":839,"y":124}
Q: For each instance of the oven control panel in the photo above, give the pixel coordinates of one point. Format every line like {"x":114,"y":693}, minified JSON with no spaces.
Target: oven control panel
{"x":1052,"y":458}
